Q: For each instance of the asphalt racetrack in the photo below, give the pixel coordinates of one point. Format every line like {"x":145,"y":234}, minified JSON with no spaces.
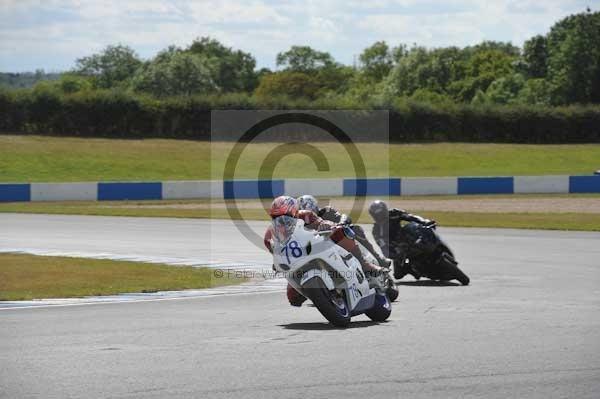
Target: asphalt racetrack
{"x":528,"y":326}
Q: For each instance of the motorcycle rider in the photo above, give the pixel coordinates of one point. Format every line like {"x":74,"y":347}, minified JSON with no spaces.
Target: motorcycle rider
{"x":389,"y":235}
{"x":285,"y":205}
{"x":328,"y":212}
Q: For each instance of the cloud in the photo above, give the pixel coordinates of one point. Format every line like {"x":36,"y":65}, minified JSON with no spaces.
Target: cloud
{"x":212,"y":12}
{"x":58,"y":31}
{"x":434,"y":30}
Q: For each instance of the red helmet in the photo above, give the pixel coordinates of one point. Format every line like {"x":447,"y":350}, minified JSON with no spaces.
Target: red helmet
{"x":284,"y":205}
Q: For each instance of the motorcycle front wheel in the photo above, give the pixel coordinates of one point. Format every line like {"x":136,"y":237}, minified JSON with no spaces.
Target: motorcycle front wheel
{"x":332,"y":307}
{"x":381,"y":310}
{"x":451,"y":269}
{"x":390,"y":290}
{"x":462,"y":277}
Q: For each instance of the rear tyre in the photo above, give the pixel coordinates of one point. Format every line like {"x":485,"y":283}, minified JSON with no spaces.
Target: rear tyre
{"x":333,"y":308}
{"x":381,"y":310}
{"x":399,"y":271}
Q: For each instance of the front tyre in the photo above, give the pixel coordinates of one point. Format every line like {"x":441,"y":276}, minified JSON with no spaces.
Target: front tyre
{"x":450,"y":268}
{"x":381,"y":310}
{"x":390,"y":290}
{"x":462,"y":277}
{"x":392,"y":293}
{"x":331,"y":306}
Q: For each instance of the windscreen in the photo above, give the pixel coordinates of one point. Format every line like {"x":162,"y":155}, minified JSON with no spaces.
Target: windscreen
{"x":283,"y":228}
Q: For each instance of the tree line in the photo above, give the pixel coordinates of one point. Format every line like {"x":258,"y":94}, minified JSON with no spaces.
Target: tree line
{"x":23,"y":80}
{"x":561,"y":67}
{"x":546,"y":92}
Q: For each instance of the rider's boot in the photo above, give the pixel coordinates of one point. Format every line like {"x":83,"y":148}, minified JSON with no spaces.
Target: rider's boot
{"x":295,"y":298}
{"x":383,"y":261}
{"x":373,"y":272}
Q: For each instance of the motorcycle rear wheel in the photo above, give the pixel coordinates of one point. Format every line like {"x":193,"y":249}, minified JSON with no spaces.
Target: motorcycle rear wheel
{"x":335,"y":310}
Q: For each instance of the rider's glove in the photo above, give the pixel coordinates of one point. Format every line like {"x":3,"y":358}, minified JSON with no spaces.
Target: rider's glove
{"x":345,"y":219}
{"x":326,"y":225}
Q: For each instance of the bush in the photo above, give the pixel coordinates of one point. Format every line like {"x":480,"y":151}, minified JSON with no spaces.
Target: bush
{"x":107,"y":113}
{"x":286,"y":83}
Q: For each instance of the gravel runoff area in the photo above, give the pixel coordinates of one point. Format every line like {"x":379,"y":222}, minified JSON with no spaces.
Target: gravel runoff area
{"x":483,"y":205}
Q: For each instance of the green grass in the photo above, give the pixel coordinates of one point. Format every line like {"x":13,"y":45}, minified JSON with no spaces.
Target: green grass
{"x":539,"y":221}
{"x":52,"y":159}
{"x":542,"y":220}
{"x":24,"y":277}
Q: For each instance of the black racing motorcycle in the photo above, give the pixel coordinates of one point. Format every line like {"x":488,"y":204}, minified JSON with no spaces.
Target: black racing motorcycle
{"x":425,"y":254}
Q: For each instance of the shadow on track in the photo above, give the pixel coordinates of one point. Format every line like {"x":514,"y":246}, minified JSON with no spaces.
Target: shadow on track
{"x":428,"y":283}
{"x":327,"y":326}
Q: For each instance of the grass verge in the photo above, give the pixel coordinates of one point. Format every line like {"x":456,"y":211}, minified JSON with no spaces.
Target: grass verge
{"x":61,"y":159}
{"x":24,"y":277}
{"x":540,"y":221}
{"x":251,"y":210}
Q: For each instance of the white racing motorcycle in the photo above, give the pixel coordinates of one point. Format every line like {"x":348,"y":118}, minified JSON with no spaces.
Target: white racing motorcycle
{"x":326,"y":273}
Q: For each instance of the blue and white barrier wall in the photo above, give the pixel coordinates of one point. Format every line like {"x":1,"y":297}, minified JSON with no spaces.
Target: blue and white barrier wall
{"x":113,"y":191}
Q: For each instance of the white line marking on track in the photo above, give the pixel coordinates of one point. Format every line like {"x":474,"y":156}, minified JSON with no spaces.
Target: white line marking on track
{"x":245,"y":289}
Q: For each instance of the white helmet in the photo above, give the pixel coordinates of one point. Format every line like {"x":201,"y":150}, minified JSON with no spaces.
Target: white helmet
{"x":308,"y":202}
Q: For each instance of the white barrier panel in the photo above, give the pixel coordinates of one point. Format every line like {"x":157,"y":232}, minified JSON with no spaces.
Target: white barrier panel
{"x":192,"y":189}
{"x":541,"y":184}
{"x":64,"y":191}
{"x":428,"y":186}
{"x":88,"y":191}
{"x":316,"y":187}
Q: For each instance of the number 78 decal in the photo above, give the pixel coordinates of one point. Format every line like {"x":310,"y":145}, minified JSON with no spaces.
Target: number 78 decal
{"x":294,"y":248}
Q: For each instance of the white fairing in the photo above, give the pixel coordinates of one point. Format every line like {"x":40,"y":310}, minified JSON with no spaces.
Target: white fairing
{"x":305,"y":247}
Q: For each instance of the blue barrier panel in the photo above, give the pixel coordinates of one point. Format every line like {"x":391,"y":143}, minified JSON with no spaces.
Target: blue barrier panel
{"x":364,"y":187}
{"x":252,"y":189}
{"x":584,"y":184}
{"x":485,"y":185}
{"x":129,"y":191}
{"x":15,"y":192}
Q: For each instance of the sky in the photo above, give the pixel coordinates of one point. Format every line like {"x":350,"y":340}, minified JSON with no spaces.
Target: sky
{"x":52,"y":34}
